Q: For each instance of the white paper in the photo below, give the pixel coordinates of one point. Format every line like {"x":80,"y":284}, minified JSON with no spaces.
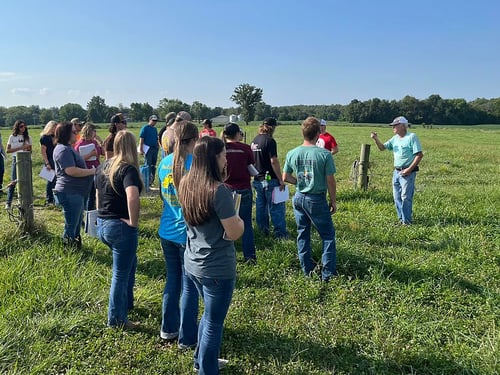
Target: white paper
{"x":47,"y":174}
{"x":91,"y":223}
{"x":280,"y":196}
{"x":87,"y":149}
{"x":144,"y":147}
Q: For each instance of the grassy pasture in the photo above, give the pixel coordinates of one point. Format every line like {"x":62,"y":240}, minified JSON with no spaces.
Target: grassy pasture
{"x":409,"y":300}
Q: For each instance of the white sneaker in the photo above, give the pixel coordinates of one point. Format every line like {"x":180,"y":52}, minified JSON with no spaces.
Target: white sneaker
{"x":169,"y":336}
{"x":221,"y":361}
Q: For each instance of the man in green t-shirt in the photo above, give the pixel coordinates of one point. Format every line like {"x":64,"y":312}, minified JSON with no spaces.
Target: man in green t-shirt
{"x":314,"y":171}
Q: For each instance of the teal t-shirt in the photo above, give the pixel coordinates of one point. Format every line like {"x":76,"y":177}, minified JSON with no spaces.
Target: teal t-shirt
{"x":311,"y":165}
{"x":172,"y":225}
{"x":404,"y":149}
{"x":150,"y":135}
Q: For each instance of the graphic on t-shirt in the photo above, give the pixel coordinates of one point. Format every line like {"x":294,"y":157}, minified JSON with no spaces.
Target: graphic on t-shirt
{"x":168,"y":190}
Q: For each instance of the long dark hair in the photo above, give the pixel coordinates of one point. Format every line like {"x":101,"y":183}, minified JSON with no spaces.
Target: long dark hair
{"x":184,"y":135}
{"x":16,"y":129}
{"x":197,"y":188}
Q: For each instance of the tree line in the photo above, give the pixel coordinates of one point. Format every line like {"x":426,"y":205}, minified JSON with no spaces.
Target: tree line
{"x":432,"y":110}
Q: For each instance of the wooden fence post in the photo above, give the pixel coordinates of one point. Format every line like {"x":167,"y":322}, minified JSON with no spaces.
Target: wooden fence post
{"x":25,"y":186}
{"x":364,"y":161}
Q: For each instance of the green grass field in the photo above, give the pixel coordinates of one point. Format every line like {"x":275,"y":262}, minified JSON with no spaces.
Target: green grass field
{"x":423,"y":299}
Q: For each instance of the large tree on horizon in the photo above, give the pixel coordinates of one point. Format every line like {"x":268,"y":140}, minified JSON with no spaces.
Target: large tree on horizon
{"x":247,"y":97}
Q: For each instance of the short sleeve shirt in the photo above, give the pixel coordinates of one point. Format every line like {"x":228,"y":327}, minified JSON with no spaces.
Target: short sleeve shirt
{"x":404,"y":149}
{"x":113,"y":204}
{"x":264,"y":148}
{"x":311,"y":165}
{"x":327,"y":141}
{"x":150,"y":136}
{"x":64,"y":157}
{"x":207,"y":253}
{"x":48,"y":142}
{"x":17,"y":140}
{"x":239,"y":156}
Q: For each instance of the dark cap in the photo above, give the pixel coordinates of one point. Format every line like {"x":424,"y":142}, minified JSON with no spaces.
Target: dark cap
{"x":231,"y":129}
{"x":117,"y":118}
{"x":207,"y":122}
{"x":271,"y":121}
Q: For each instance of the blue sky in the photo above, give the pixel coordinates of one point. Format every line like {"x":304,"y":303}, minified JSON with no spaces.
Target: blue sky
{"x":298,"y":52}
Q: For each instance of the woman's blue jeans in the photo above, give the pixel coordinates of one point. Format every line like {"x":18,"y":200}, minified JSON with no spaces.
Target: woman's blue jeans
{"x":13,"y":176}
{"x":73,"y":206}
{"x":122,"y":239}
{"x":247,"y":241}
{"x":183,"y":319}
{"x":264,"y":207}
{"x":217,"y":295}
{"x":403,"y":189}
{"x":2,"y":171}
{"x":313,"y":209}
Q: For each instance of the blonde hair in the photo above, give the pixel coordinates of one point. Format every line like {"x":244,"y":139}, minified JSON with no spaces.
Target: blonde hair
{"x":50,"y":128}
{"x":125,"y":153}
{"x":184,"y":136}
{"x":87,"y":130}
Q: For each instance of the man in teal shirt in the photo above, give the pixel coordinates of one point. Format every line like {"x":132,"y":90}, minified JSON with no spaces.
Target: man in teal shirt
{"x":407,"y":154}
{"x":314,"y":171}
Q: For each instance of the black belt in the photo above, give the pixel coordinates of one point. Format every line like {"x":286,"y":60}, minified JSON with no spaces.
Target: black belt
{"x":400,"y":169}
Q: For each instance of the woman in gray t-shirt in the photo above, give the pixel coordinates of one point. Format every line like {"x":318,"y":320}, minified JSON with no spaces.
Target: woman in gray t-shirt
{"x":209,"y":259}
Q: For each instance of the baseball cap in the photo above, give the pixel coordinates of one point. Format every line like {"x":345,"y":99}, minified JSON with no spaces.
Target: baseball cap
{"x":271,"y":121}
{"x":76,"y":121}
{"x":399,"y":120}
{"x":322,"y":122}
{"x":153,"y":117}
{"x":183,"y":116}
{"x":170,"y":117}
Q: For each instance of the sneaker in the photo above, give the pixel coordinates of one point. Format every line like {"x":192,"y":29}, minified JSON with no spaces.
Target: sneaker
{"x":250,"y":261}
{"x":222,"y":363}
{"x":168,"y":335}
{"x":127,"y":326}
{"x":7,"y":206}
{"x":186,"y":347}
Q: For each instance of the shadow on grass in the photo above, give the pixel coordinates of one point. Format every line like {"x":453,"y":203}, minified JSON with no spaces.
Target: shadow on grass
{"x":258,"y":348}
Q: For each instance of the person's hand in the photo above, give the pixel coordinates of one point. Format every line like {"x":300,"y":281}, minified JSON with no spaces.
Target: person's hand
{"x":282,"y":186}
{"x":333,"y":207}
{"x":373,"y":135}
{"x":128,"y":222}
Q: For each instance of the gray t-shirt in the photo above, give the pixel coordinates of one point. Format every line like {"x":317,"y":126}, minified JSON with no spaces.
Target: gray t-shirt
{"x":64,"y":157}
{"x":207,"y":254}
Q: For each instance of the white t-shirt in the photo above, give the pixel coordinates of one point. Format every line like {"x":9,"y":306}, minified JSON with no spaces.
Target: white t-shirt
{"x":16,"y":141}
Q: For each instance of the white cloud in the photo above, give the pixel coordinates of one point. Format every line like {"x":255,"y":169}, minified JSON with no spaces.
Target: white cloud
{"x":44,"y":91}
{"x":23,"y":91}
{"x":7,"y":76}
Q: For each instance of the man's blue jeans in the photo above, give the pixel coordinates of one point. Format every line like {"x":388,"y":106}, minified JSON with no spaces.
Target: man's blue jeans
{"x":264,"y":207}
{"x":151,"y":159}
{"x":247,"y":241}
{"x":2,"y":171}
{"x":174,"y":319}
{"x":403,"y":189}
{"x":73,"y":205}
{"x":217,"y":295}
{"x":122,"y":239}
{"x":313,"y":209}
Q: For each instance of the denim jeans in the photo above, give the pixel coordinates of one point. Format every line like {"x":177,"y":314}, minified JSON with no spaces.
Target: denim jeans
{"x":123,"y":241}
{"x":247,"y":241}
{"x":73,"y":205}
{"x":151,"y":159}
{"x":2,"y":171}
{"x":174,"y":319}
{"x":91,"y":198}
{"x":403,"y":189}
{"x":13,"y":176}
{"x":217,"y":295}
{"x":313,"y":209}
{"x":264,"y":207}
{"x":49,"y":194}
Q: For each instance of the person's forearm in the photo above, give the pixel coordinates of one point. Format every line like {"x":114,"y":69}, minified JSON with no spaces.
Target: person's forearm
{"x":133,"y":205}
{"x":275,"y":163}
{"x":287,"y":177}
{"x":331,"y":184}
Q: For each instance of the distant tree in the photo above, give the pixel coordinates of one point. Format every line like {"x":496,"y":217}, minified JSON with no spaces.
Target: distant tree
{"x":97,"y":110}
{"x":3,"y":112}
{"x":48,"y":114}
{"x":247,"y":97}
{"x":71,"y":110}
{"x":262,"y":110}
{"x":19,"y":112}
{"x":171,"y":105}
{"x":199,"y":111}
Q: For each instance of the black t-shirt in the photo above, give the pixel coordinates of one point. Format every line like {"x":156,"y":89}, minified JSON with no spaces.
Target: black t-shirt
{"x":48,"y":141}
{"x":113,"y":204}
{"x":264,"y":148}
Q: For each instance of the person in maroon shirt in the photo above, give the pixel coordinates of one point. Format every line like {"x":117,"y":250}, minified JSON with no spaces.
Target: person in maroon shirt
{"x":239,"y":157}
